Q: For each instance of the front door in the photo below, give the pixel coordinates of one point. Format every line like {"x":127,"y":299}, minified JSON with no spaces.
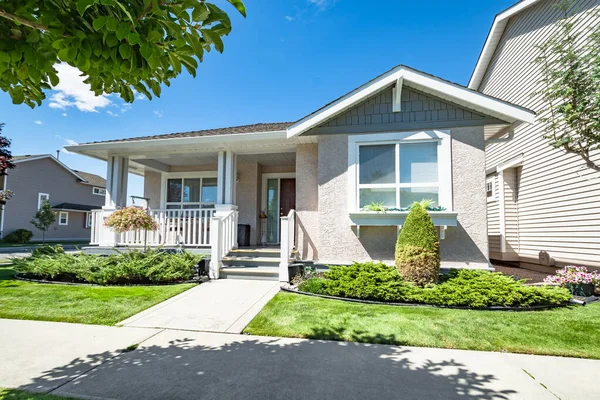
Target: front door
{"x":280,"y":199}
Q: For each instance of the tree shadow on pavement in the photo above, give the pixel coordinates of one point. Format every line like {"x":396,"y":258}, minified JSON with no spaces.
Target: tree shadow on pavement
{"x":182,"y":365}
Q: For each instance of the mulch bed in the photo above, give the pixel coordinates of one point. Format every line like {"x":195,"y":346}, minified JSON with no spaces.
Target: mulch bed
{"x":522,"y":273}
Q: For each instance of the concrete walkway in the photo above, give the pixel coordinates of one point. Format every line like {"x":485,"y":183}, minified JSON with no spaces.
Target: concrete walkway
{"x":224,"y":305}
{"x":80,"y":361}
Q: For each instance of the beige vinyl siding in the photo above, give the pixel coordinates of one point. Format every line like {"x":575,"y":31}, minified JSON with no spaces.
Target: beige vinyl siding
{"x":511,"y":210}
{"x":493,"y":217}
{"x":559,"y":198}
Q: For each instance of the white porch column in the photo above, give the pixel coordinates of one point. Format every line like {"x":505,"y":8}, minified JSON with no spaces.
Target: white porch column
{"x":116,"y":195}
{"x":226,"y":177}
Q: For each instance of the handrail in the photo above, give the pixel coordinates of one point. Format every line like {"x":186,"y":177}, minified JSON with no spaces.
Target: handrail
{"x":223,"y":238}
{"x":288,"y":244}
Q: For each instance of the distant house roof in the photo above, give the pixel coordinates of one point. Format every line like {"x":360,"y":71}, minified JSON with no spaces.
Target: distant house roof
{"x":493,"y":38}
{"x":84,"y":177}
{"x":92,"y":179}
{"x":74,"y":207}
{"x":232,"y":130}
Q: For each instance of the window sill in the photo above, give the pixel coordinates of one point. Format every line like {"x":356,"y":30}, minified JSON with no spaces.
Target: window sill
{"x":397,"y":218}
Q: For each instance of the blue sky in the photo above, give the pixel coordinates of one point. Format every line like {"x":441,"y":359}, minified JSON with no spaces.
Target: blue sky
{"x":286,"y":59}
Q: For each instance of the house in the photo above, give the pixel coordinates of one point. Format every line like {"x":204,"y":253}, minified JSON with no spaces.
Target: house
{"x":543,"y":208}
{"x":402,"y":137}
{"x":73,"y":194}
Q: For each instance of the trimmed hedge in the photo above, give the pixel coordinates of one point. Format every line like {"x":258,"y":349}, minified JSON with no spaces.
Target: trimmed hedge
{"x":470,"y":288}
{"x":135,"y":267}
{"x":418,"y":248}
{"x":20,"y":236}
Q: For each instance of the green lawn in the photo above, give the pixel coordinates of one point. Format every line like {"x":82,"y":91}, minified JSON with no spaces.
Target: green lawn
{"x":13,"y":394}
{"x":37,"y":244}
{"x":82,"y":304}
{"x":573,"y":331}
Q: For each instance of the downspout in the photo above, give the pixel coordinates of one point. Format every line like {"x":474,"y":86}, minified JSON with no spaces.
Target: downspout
{"x":511,"y":134}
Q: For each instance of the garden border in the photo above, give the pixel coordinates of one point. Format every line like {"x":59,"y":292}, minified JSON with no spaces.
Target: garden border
{"x":492,"y":308}
{"x":21,"y":277}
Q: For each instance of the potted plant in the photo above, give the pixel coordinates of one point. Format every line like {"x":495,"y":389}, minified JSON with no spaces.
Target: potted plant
{"x":5,"y":195}
{"x":578,"y":280}
{"x":130,"y":219}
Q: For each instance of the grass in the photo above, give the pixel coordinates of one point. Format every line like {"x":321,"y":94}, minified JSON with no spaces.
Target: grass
{"x":14,"y":394}
{"x":573,"y":331}
{"x":37,"y":244}
{"x":81,"y":304}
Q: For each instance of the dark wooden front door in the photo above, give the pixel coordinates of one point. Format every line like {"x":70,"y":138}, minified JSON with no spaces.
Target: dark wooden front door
{"x":287,"y":200}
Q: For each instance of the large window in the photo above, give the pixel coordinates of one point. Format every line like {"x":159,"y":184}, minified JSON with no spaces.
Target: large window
{"x":42,"y":197}
{"x":398,"y":174}
{"x":191,"y":193}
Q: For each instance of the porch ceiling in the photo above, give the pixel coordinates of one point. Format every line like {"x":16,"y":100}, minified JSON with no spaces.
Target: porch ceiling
{"x":269,"y":159}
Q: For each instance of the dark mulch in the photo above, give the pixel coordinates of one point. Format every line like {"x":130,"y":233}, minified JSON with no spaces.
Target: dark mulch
{"x":522,"y":273}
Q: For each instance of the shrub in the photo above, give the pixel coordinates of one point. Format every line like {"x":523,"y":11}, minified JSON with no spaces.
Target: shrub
{"x":20,"y":236}
{"x":153,"y":266}
{"x":131,"y":219}
{"x":418,"y":248}
{"x":48,"y":250}
{"x":472,"y":288}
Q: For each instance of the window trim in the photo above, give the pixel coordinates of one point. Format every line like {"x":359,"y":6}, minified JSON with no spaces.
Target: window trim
{"x":494,"y":196}
{"x":184,"y":175}
{"x":60,"y":214}
{"x":98,"y":189}
{"x":88,"y":219}
{"x":39,"y":206}
{"x":444,"y":183}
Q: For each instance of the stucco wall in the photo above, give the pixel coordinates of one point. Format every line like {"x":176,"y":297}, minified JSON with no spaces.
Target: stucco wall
{"x":307,"y":200}
{"x":247,"y":197}
{"x":464,"y":246}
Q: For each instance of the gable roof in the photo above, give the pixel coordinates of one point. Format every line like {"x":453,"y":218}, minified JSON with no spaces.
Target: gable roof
{"x":232,"y":130}
{"x":492,"y":40}
{"x":425,"y":83}
{"x":84,"y":177}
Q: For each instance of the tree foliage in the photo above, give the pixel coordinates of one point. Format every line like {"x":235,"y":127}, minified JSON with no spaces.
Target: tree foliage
{"x":570,"y":64}
{"x":5,"y":154}
{"x":44,"y":218}
{"x":121,"y":46}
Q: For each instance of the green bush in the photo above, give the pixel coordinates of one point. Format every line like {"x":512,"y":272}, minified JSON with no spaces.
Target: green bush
{"x":472,"y":288}
{"x":418,"y":248}
{"x":48,"y":250}
{"x":20,"y":236}
{"x":152,"y":266}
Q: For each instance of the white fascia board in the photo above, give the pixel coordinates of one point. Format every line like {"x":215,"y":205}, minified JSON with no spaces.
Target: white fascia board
{"x":53,"y":159}
{"x":492,"y":40}
{"x":514,"y":162}
{"x":406,"y":75}
{"x":149,"y":143}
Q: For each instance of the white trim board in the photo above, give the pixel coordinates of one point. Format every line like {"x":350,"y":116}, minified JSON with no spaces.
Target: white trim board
{"x":403,"y":75}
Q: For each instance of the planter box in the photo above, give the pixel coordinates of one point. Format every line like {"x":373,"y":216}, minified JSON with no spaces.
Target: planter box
{"x":397,"y":218}
{"x":581,"y":289}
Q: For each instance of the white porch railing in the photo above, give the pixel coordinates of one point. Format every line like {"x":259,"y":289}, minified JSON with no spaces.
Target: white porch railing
{"x":189,"y":227}
{"x":223,"y":236}
{"x":288,"y":244}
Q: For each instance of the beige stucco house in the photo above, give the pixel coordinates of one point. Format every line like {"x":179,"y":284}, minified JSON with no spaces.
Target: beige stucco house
{"x":302,"y":186}
{"x":543,"y":209}
{"x":72,"y":194}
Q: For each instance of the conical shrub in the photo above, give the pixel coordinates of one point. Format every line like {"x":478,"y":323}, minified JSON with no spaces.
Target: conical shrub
{"x":418,"y":248}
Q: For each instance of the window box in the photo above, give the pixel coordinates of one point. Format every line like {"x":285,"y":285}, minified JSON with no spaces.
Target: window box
{"x":397,"y":218}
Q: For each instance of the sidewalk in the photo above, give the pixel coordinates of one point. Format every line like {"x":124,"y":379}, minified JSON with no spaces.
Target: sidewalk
{"x":80,"y":361}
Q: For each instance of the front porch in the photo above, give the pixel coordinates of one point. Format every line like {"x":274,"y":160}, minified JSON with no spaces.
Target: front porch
{"x":199,"y":197}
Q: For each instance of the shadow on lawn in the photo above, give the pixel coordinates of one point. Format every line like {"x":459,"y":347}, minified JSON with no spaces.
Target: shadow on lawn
{"x":211,"y":366}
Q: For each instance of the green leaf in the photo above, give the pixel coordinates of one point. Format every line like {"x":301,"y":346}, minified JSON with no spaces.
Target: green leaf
{"x":196,"y":46}
{"x":146,"y":51}
{"x":239,"y":6}
{"x":200,"y":13}
{"x":99,"y":23}
{"x":214,"y":38}
{"x":111,"y":40}
{"x":123,"y":30}
{"x":175,"y":62}
{"x":133,"y":38}
{"x":83,"y":5}
{"x":53,"y":78}
{"x":125,"y":50}
{"x":97,"y":48}
{"x":112,"y":23}
{"x":58,"y":44}
{"x":18,"y":96}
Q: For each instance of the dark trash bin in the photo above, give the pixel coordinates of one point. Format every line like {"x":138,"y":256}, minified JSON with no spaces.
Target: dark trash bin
{"x":243,"y":235}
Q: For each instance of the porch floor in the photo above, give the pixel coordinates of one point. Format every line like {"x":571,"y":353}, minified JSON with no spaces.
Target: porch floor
{"x":223,"y":305}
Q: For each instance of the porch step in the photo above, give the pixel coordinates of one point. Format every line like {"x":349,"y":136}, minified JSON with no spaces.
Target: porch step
{"x":260,"y":252}
{"x":259,"y":273}
{"x":231,"y":261}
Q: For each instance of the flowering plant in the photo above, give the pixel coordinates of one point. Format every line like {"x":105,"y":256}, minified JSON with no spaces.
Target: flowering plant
{"x":571,"y":274}
{"x":6,"y":195}
{"x":130,"y":219}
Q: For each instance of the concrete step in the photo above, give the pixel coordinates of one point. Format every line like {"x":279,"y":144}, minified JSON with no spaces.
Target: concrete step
{"x":251,"y":261}
{"x":264,"y":273}
{"x":260,"y":252}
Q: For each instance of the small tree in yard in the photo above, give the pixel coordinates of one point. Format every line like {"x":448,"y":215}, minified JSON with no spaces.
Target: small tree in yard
{"x":44,"y":218}
{"x":570,"y":64}
{"x":418,"y":247}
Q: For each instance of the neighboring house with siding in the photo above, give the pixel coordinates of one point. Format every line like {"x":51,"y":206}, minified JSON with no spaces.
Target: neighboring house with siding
{"x":72,"y":194}
{"x":302,"y":187}
{"x":539,"y":199}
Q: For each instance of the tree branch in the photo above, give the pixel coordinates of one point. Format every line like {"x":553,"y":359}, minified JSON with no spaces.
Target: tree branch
{"x":22,"y":21}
